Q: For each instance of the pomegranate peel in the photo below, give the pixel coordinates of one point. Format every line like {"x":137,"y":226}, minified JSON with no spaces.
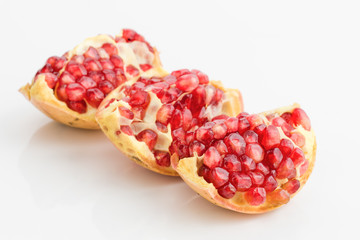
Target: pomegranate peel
{"x":188,"y":169}
{"x":60,"y":91}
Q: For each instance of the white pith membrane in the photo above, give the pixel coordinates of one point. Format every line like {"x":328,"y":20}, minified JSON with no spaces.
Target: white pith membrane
{"x":188,"y":169}
{"x":110,"y":121}
{"x":134,"y":53}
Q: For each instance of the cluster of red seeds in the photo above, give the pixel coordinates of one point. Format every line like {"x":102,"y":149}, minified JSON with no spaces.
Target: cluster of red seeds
{"x":244,"y":154}
{"x":184,"y":112}
{"x":88,"y":78}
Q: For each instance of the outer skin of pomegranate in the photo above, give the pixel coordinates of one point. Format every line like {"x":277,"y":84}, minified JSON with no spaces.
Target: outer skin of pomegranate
{"x":43,"y":97}
{"x":139,"y":152}
{"x":187,"y":168}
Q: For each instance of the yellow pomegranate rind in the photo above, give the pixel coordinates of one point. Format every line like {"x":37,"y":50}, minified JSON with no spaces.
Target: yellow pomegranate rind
{"x":43,"y":98}
{"x":187,"y":168}
{"x":108,"y":119}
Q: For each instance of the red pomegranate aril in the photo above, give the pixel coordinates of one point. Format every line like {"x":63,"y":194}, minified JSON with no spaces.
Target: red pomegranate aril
{"x":181,"y":149}
{"x":60,"y":92}
{"x":270,"y":137}
{"x":75,"y":92}
{"x":78,"y":59}
{"x":242,"y":115}
{"x":247,"y":163}
{"x":189,"y":137}
{"x":187,"y":82}
{"x":250,"y":136}
{"x":106,"y":64}
{"x":270,"y":183}
{"x":196,"y":147}
{"x":162,"y":158}
{"x":218,"y":96}
{"x":231,"y":163}
{"x":274,"y":157}
{"x":299,"y":117}
{"x":278,"y":196}
{"x":164,"y":114}
{"x":203,"y":78}
{"x":280,"y":122}
{"x":176,"y":119}
{"x":254,"y":120}
{"x":180,"y":72}
{"x":50,"y":79}
{"x":127,"y":130}
{"x":255,"y":151}
{"x":139,"y":98}
{"x":298,"y":157}
{"x":287,"y":117}
{"x":205,"y":173}
{"x":286,"y":147}
{"x":96,"y":76}
{"x":56,"y":62}
{"x":149,"y":137}
{"x":291,"y":186}
{"x":161,"y":127}
{"x":110,"y":76}
{"x":219,"y":176}
{"x":243,"y":125}
{"x":120,"y":76}
{"x":106,"y":86}
{"x":117,"y":61}
{"x":241,"y":181}
{"x":259,"y":130}
{"x":204,"y":135}
{"x":232,"y":124}
{"x":210,"y":94}
{"x":235,"y":143}
{"x":219,"y":130}
{"x":76,"y":69}
{"x":145,"y":67}
{"x":187,"y":119}
{"x":87,"y":82}
{"x":257,"y":178}
{"x":92,"y":65}
{"x":178,"y":134}
{"x":92,"y":53}
{"x":264,"y":169}
{"x":220,"y":146}
{"x":227,"y":191}
{"x":46,"y":69}
{"x":66,"y":78}
{"x":125,"y":112}
{"x":94,"y":97}
{"x":303,"y":168}
{"x":132,"y":71}
{"x":285,"y":168}
{"x":255,"y":196}
{"x":110,"y":49}
{"x":77,"y":106}
{"x":212,"y":158}
{"x":298,"y":139}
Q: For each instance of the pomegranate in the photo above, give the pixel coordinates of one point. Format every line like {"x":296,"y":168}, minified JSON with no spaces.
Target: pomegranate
{"x":259,"y":167}
{"x":70,"y":88}
{"x":152,"y":118}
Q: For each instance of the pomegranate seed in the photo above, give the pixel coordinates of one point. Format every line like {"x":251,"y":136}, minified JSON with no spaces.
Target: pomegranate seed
{"x":164,"y":113}
{"x":196,"y":147}
{"x":92,"y":53}
{"x":120,"y":76}
{"x":219,"y":130}
{"x":66,"y":78}
{"x":235,"y":143}
{"x":176,"y":119}
{"x":77,"y":106}
{"x":162,"y":158}
{"x":107,"y":64}
{"x":97,"y":76}
{"x":292,"y":174}
{"x":145,"y":67}
{"x":279,"y":196}
{"x":170,"y":95}
{"x":46,"y":69}
{"x":75,"y":92}
{"x":232,"y":124}
{"x":247,"y":163}
{"x":254,"y":120}
{"x":132,"y":71}
{"x":270,"y":184}
{"x":257,"y":178}
{"x":60,"y":92}
{"x":149,"y":137}
{"x":227,"y":191}
{"x":291,"y":186}
{"x":204,"y":135}
{"x":219,"y":176}
{"x":260,"y":167}
{"x":259,"y":130}
{"x":187,"y":117}
{"x":78,"y":59}
{"x":231,"y":163}
{"x":255,"y":151}
{"x":218,"y":96}
{"x":94,"y":97}
{"x":181,"y":149}
{"x":125,"y":112}
{"x":286,"y":147}
{"x":255,"y":196}
{"x":250,"y":136}
{"x":110,"y":49}
{"x":205,"y":173}
{"x":298,"y":139}
{"x":299,"y":117}
{"x":285,"y":169}
{"x":161,"y":127}
{"x":189,"y":137}
{"x":271,"y":137}
{"x":110,"y":76}
{"x":76,"y":69}
{"x":92,"y":65}
{"x":187,"y":82}
{"x":180,"y":72}
{"x":106,"y":87}
{"x":304,"y":167}
{"x":50,"y":79}
{"x":242,"y":115}
{"x":297,"y":156}
{"x":127,"y":130}
{"x":198,"y":99}
{"x":274,"y":157}
{"x":129,"y":35}
{"x":241,"y":181}
{"x":210,"y":94}
{"x":212,"y":158}
{"x":117,"y":61}
{"x":287,"y":117}
{"x":87,"y":82}
{"x":139,"y":98}
{"x":220,"y":146}
{"x":280,"y":122}
{"x":203,"y":78}
{"x":178,"y":134}
{"x":170,"y":79}
{"x":243,"y":125}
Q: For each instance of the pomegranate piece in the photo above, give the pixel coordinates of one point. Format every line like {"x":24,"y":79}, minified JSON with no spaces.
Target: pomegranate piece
{"x":125,"y":112}
{"x":164,"y":113}
{"x":219,"y":130}
{"x":105,"y":86}
{"x":286,"y":147}
{"x":255,"y":151}
{"x":187,"y":82}
{"x":75,"y":92}
{"x":274,"y":157}
{"x":77,"y":106}
{"x":94,"y":97}
{"x":196,"y":147}
{"x":205,"y":173}
{"x":219,"y":176}
{"x":257,"y":178}
{"x":235,"y":143}
{"x":270,"y":183}
{"x":285,"y":169}
{"x":264,"y":169}
{"x":232,"y":124}
{"x":149,"y":137}
{"x":270,"y":137}
{"x":139,"y":99}
{"x":162,"y":158}
{"x":220,"y":146}
{"x":76,"y":69}
{"x":298,"y":139}
{"x":132,"y":71}
{"x":279,"y":196}
{"x":250,"y":137}
{"x":299,"y":117}
{"x":291,"y":186}
{"x":92,"y":53}
{"x":255,"y":196}
{"x":110,"y":49}
{"x":203,"y":78}
{"x":87,"y":82}
{"x":204,"y":135}
{"x":243,"y":125}
{"x":298,"y":157}
{"x":50,"y":80}
{"x":212,"y":158}
{"x":241,"y":181}
{"x":231,"y":163}
{"x":227,"y":191}
{"x":247,"y":163}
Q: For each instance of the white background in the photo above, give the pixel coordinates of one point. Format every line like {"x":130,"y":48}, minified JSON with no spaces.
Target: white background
{"x":62,"y":183}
